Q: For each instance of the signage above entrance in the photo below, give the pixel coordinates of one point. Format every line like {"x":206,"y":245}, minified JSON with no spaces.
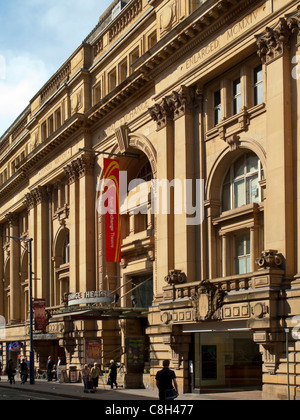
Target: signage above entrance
{"x":100,"y":296}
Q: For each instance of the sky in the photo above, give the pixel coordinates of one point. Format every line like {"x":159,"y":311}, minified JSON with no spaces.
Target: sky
{"x":36,"y":38}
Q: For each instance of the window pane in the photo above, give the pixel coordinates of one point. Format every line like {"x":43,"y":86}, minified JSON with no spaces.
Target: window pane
{"x":247,"y":243}
{"x":240,"y":266}
{"x":237,"y":105}
{"x":252,"y":190}
{"x":239,"y":193}
{"x":258,"y":74}
{"x":217,"y":107}
{"x":248,"y":265}
{"x":252,"y":163}
{"x":217,"y":98}
{"x":239,"y":167}
{"x":239,"y":246}
{"x":237,"y":99}
{"x":226,"y":198}
{"x":237,"y":87}
{"x":218,"y":116}
{"x":258,"y":95}
{"x":258,"y":86}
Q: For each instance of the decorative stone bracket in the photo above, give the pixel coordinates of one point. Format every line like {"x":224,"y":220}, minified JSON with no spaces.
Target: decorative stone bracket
{"x":270,"y":259}
{"x":175,"y":277}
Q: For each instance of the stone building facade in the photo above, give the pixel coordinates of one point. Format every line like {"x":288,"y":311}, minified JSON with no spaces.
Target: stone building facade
{"x":179,"y":90}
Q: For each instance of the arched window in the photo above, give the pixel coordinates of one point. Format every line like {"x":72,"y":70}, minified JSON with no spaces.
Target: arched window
{"x":242,"y":183}
{"x":66,"y":251}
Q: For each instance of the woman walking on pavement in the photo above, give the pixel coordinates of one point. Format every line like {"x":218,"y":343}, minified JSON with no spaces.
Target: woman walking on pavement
{"x":86,"y":374}
{"x":95,"y":373}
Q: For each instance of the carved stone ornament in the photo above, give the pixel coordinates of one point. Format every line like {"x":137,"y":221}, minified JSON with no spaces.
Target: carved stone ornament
{"x":183,"y":102}
{"x":270,"y":259}
{"x":176,"y":277}
{"x":172,"y":107}
{"x":208,"y":302}
{"x":272,"y":43}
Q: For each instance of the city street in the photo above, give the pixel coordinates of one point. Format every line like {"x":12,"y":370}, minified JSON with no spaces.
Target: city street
{"x":27,"y":395}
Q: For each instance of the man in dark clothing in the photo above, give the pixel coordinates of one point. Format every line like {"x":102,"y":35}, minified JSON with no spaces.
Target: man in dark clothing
{"x":50,"y":364}
{"x":165,"y":379}
{"x":112,"y":374}
{"x":24,"y":372}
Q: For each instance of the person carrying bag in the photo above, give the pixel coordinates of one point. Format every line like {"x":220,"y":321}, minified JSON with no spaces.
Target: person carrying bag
{"x":165,"y":379}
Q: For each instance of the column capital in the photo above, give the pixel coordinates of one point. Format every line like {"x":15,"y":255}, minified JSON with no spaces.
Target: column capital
{"x":86,"y":164}
{"x":163,"y":113}
{"x":82,"y":166}
{"x":273,"y":42}
{"x":40,"y":194}
{"x":71,"y":172}
{"x":12,"y":218}
{"x":183,"y":100}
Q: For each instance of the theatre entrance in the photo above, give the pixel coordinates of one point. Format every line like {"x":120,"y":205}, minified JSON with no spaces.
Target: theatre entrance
{"x":226,"y":360}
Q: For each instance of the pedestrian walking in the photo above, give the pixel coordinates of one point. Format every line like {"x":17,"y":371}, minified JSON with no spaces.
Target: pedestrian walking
{"x":24,"y":372}
{"x":60,"y":364}
{"x":86,"y":375}
{"x":11,"y":371}
{"x":95,"y":373}
{"x":112,"y":374}
{"x":167,"y":383}
{"x":50,"y":364}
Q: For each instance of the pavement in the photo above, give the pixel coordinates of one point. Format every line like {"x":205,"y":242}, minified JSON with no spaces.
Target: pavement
{"x":75,"y":392}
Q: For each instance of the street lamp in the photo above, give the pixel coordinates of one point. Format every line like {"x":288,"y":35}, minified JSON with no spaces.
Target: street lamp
{"x":29,"y":242}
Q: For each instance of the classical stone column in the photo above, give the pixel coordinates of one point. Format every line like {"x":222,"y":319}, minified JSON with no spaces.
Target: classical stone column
{"x":294,"y":25}
{"x":41,"y":239}
{"x":184,"y":161}
{"x":1,"y":273}
{"x":15,"y":287}
{"x":274,"y":51}
{"x":163,"y":115}
{"x":71,"y":172}
{"x":87,"y":194}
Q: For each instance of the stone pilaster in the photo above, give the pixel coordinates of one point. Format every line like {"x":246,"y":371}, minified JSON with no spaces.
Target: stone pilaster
{"x":15,"y":286}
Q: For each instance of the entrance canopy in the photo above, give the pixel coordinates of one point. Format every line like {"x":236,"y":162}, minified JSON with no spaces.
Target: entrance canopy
{"x":100,"y":313}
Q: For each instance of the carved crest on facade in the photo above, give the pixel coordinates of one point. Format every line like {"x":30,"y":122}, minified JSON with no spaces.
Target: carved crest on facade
{"x":208,"y":302}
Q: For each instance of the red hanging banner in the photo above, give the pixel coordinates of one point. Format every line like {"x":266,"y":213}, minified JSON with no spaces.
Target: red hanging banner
{"x":112,"y":214}
{"x":40,"y":316}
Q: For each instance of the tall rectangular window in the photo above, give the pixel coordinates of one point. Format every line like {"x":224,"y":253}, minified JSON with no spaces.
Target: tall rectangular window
{"x":217,"y":107}
{"x":97,"y":93}
{"x":123,"y":71}
{"x":152,"y":40}
{"x":258,"y":86}
{"x":57,"y":116}
{"x":237,"y":96}
{"x":112,"y":80}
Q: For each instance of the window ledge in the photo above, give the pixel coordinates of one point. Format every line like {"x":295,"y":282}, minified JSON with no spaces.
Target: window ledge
{"x":246,"y":210}
{"x":237,"y":123}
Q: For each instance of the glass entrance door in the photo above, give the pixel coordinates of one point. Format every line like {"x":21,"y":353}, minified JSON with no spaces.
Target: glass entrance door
{"x":226,"y":360}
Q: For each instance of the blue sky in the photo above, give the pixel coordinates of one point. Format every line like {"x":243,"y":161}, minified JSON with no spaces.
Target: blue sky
{"x":36,"y":38}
